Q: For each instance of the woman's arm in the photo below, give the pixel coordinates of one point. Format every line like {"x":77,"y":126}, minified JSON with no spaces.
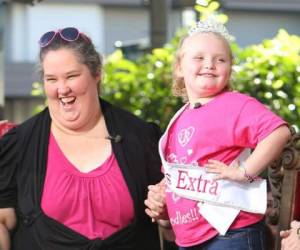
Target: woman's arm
{"x":7,"y":223}
{"x":7,"y":215}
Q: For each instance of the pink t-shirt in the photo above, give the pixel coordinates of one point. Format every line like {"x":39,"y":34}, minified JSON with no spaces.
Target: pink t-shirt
{"x":218,"y":130}
{"x":95,"y":204}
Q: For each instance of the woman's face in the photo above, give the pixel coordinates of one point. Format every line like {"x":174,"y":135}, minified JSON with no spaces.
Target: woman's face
{"x":70,"y":88}
{"x":205,"y":65}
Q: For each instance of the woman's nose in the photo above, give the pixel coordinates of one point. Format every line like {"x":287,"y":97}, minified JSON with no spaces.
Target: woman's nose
{"x":63,"y":88}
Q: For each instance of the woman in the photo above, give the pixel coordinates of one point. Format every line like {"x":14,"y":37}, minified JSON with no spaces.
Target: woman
{"x":7,"y":221}
{"x":77,"y":173}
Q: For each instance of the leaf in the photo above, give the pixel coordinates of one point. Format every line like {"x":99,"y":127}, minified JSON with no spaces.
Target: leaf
{"x":213,"y":6}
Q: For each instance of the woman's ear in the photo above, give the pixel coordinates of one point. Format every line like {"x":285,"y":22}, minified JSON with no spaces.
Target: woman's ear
{"x":98,"y":76}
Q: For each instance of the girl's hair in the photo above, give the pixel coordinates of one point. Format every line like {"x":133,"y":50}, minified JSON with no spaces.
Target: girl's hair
{"x":82,"y":47}
{"x":178,"y":85}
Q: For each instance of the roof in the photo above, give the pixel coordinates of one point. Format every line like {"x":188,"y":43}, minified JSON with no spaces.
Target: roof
{"x":103,"y":2}
{"x":278,"y":5}
{"x":126,"y":3}
{"x":273,"y":5}
{"x":19,"y":78}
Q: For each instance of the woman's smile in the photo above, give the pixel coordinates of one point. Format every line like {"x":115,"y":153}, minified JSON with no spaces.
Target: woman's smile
{"x":67,"y":102}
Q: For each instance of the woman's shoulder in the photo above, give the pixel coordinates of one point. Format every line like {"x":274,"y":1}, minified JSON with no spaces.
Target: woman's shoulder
{"x":125,"y":119}
{"x":32,"y":123}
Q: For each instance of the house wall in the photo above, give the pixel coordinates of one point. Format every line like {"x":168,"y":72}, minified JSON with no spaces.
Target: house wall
{"x":28,"y":23}
{"x":19,"y":109}
{"x":251,"y":27}
{"x":105,"y":25}
{"x":125,"y":25}
{"x":2,"y":19}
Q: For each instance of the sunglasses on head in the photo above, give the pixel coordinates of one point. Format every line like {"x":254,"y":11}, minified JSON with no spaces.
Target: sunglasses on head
{"x":69,"y":34}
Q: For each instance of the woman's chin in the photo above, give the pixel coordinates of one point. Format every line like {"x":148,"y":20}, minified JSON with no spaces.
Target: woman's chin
{"x":70,"y":121}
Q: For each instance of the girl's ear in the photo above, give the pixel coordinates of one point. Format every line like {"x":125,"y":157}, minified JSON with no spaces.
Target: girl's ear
{"x":178,"y":70}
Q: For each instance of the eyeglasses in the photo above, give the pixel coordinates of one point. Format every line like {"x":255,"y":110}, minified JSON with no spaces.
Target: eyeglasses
{"x":69,"y":34}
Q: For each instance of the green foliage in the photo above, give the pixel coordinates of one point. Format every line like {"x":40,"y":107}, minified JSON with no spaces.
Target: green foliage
{"x":38,"y":90}
{"x":142,"y":86}
{"x":270,"y":72}
{"x":207,"y":8}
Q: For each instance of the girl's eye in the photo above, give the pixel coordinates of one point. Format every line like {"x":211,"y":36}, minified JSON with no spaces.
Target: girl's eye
{"x":221,"y":60}
{"x":199,"y":58}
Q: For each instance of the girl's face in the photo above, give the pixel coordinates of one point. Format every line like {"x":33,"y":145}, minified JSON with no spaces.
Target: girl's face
{"x":70,"y":88}
{"x":205,"y":65}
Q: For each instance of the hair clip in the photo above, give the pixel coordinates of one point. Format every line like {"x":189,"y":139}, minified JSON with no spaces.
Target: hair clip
{"x":211,"y":25}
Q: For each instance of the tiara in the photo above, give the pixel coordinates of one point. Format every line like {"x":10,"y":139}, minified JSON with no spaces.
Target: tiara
{"x":211,"y":25}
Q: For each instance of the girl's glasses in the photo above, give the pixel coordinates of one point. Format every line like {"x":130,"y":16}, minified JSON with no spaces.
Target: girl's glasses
{"x":68,"y":34}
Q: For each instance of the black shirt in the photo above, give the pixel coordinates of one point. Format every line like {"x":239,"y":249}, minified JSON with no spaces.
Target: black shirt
{"x":23,"y":159}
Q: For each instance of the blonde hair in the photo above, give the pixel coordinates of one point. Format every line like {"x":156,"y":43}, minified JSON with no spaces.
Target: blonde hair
{"x":178,"y":84}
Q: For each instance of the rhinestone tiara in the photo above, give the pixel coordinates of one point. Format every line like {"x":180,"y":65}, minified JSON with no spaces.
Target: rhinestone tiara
{"x":210,"y":25}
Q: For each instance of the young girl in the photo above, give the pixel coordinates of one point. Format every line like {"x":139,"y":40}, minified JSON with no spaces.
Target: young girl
{"x":213,"y":196}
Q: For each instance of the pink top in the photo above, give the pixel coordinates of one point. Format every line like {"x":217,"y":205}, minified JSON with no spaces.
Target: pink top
{"x":219,"y":130}
{"x":95,"y":204}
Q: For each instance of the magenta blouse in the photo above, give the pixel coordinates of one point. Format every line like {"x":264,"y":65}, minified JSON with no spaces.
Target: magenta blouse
{"x":94,"y":204}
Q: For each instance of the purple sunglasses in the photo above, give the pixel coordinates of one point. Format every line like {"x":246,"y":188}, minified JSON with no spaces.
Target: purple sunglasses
{"x":69,"y":34}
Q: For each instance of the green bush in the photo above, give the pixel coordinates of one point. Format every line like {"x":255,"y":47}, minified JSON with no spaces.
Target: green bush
{"x":270,"y":72}
{"x":142,"y":86}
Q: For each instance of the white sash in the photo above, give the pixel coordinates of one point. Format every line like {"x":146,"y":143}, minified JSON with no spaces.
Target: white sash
{"x":192,"y":182}
{"x":219,"y":201}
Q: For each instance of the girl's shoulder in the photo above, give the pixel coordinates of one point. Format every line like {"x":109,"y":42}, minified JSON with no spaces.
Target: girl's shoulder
{"x":236,"y":97}
{"x":235,"y":102}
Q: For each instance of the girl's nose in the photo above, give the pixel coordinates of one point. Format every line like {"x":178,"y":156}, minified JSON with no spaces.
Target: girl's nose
{"x":209,"y":64}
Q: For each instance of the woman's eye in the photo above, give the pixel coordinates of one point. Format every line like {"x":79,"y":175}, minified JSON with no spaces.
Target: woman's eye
{"x":51,"y":80}
{"x":221,"y":60}
{"x":199,"y":58}
{"x":72,"y":76}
